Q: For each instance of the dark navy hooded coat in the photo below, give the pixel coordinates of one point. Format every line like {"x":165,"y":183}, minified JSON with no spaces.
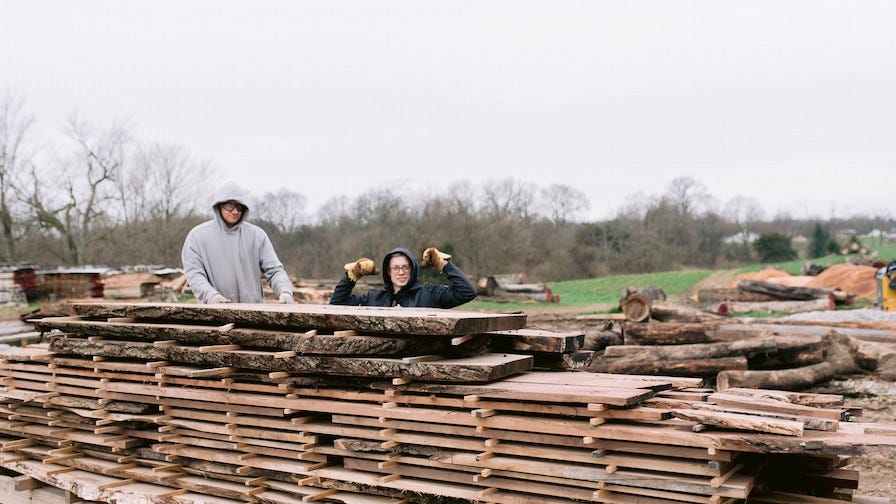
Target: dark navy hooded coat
{"x":414,"y":294}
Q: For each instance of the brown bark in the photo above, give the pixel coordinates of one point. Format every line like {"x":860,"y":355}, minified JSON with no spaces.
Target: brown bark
{"x":665,"y":333}
{"x":709,"y":296}
{"x":670,"y":312}
{"x":747,"y":348}
{"x":776,"y":306}
{"x":598,"y":340}
{"x":840,"y":359}
{"x":299,"y":317}
{"x":636,"y":308}
{"x":482,"y":368}
{"x":784,"y":292}
{"x":315,"y":344}
{"x":536,"y":340}
{"x":683,"y":367}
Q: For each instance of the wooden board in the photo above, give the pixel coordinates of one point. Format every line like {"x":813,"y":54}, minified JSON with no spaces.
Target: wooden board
{"x":398,"y":320}
{"x":480,"y":368}
{"x":536,"y":340}
{"x":299,"y":342}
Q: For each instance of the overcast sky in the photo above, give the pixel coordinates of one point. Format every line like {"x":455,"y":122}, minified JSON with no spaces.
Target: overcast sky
{"x":792,"y":103}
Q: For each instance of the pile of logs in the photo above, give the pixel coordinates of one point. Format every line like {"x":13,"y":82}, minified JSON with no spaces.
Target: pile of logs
{"x":769,"y":297}
{"x":514,"y":288}
{"x":764,"y":353}
{"x":164,"y":403}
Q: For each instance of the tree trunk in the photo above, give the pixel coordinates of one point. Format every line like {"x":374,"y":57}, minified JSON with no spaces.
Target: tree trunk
{"x":708,"y":296}
{"x":840,"y":360}
{"x":776,"y":306}
{"x":784,"y":292}
{"x":746,"y":348}
{"x":636,"y":308}
{"x":665,"y":333}
{"x":669,"y":312}
{"x":686,"y":367}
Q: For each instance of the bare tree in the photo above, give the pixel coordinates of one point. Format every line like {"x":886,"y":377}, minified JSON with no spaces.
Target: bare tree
{"x":744,"y":213}
{"x":82,"y":189}
{"x":159,"y":192}
{"x":687,"y":195}
{"x":509,"y":197}
{"x":14,"y":125}
{"x":563,"y":202}
{"x":284,"y":209}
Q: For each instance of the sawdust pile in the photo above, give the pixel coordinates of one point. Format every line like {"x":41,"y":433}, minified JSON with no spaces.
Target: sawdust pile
{"x":854,"y":279}
{"x":761,"y":276}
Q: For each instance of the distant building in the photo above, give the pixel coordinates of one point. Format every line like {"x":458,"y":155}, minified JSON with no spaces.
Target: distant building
{"x":741,"y":238}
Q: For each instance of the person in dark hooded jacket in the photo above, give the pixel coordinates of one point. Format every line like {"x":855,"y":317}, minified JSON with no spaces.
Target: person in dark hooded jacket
{"x":400,"y":274}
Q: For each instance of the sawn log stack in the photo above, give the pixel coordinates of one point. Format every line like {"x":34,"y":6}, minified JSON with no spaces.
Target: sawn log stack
{"x":172,"y":403}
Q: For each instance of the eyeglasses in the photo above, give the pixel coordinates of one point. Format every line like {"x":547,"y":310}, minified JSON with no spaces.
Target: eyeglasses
{"x":229,"y":207}
{"x":400,"y":269}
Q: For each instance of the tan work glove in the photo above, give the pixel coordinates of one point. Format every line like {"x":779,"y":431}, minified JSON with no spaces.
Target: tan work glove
{"x":432,"y":257}
{"x":360,"y":268}
{"x":217,"y":298}
{"x":285,"y":298}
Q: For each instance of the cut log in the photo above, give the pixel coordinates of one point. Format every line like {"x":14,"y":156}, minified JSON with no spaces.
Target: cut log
{"x":669,"y":312}
{"x":840,"y":359}
{"x":665,"y":333}
{"x":746,"y":348}
{"x":791,"y":352}
{"x":528,"y":288}
{"x":682,"y":367}
{"x":783,"y":292}
{"x":775,"y":307}
{"x":399,"y":320}
{"x":710,"y":296}
{"x":636,"y":308}
{"x":598,"y":340}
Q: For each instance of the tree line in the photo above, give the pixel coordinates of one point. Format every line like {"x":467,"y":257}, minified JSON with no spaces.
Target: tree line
{"x":102,"y":197}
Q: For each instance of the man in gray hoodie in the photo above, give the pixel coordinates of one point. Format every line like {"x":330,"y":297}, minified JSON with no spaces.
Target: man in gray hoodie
{"x":224,"y":258}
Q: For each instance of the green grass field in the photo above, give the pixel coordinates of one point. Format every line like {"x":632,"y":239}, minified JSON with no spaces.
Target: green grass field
{"x":607,"y":290}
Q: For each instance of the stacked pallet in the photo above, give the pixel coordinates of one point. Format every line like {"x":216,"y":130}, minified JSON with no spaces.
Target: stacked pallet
{"x":273,"y":403}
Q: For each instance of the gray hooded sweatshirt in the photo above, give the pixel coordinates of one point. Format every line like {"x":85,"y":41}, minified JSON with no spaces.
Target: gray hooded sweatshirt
{"x":230,"y":261}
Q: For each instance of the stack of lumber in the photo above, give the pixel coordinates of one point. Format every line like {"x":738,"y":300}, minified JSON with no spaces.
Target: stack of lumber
{"x":133,"y":285}
{"x":286,"y":403}
{"x":72,"y":283}
{"x":549,"y":349}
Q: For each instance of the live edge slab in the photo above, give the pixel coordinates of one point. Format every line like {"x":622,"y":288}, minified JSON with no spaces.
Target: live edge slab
{"x":397,"y":320}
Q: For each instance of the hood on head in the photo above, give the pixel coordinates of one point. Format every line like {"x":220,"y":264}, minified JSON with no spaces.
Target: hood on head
{"x":230,"y":192}
{"x":412,"y":281}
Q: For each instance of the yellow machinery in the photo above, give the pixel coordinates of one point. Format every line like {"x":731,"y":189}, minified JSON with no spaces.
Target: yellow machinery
{"x":886,"y":287}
